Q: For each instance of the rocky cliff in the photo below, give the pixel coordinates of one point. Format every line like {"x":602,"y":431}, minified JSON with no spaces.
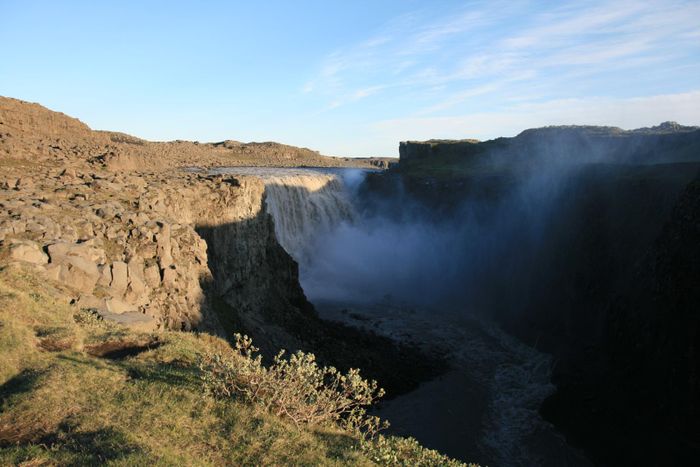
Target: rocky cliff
{"x":154,"y":247}
{"x":540,"y":148}
{"x":635,"y":381}
{"x":604,"y":285}
{"x":126,"y":246}
{"x":158,"y":248}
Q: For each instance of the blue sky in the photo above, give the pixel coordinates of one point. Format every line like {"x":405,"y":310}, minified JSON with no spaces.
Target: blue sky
{"x":353,"y":78}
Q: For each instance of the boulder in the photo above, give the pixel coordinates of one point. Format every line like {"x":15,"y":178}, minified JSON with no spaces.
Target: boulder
{"x":68,"y":176}
{"x":114,"y":305}
{"x":86,"y":251}
{"x":135,"y":268}
{"x":24,"y":183}
{"x":119,"y":278}
{"x":68,"y":173}
{"x":105,"y":276}
{"x":136,"y":290}
{"x":76,"y":273}
{"x":169,"y":276}
{"x":152,"y":276}
{"x":133,"y":320}
{"x":90,"y":301}
{"x":28,"y":251}
{"x":165,"y":257}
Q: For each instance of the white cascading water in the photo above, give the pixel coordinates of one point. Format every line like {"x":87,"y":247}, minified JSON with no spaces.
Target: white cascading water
{"x":304,"y":206}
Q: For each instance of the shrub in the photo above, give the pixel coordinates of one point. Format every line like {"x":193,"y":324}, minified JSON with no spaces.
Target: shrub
{"x":396,"y":451}
{"x":295,"y":388}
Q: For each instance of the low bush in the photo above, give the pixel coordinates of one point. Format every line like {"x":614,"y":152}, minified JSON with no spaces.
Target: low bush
{"x":397,"y":451}
{"x":296,"y":388}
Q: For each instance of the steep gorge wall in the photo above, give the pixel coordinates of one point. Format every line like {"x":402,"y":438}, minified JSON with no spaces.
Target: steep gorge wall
{"x":254,"y":285}
{"x":154,"y":250}
{"x":635,"y":384}
{"x":182,"y":251}
{"x":608,"y":289}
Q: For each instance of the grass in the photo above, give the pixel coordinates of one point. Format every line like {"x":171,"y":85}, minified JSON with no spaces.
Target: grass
{"x":61,"y":405}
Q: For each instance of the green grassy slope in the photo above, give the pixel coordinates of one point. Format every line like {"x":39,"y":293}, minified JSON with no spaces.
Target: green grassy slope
{"x":75,"y":390}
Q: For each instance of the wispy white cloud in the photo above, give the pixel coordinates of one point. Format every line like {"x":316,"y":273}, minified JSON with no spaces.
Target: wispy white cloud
{"x":364,"y":92}
{"x":518,"y":45}
{"x":461,"y":96}
{"x":432,"y":35}
{"x":570,"y":22}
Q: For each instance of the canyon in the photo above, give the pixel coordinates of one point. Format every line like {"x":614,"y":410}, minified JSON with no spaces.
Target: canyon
{"x":586,"y":243}
{"x":539,"y":291}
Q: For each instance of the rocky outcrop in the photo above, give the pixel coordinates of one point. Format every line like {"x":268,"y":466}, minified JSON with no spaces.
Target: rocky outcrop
{"x":102,"y":214}
{"x":172,"y":251}
{"x":541,"y":148}
{"x":27,"y":251}
{"x":30,"y":133}
{"x":111,"y":251}
{"x":635,"y":385}
{"x":252,"y":283}
{"x":126,"y":244}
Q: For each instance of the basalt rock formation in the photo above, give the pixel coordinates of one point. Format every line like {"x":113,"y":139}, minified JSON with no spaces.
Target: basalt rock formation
{"x":635,"y":384}
{"x":608,"y":286}
{"x":666,"y":142}
{"x":126,"y":245}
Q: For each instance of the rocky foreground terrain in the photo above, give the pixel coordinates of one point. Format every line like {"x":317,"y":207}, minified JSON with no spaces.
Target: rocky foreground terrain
{"x":113,"y":242}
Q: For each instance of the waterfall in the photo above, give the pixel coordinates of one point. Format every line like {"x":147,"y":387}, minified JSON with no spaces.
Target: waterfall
{"x":413,"y":279}
{"x":305,"y":206}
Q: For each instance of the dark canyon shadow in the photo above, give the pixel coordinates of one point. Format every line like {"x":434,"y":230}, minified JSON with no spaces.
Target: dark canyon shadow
{"x":584,"y":249}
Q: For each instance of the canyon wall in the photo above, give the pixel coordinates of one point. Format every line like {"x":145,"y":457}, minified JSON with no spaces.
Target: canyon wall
{"x":541,"y":149}
{"x":140,"y":247}
{"x":416,"y":151}
{"x":631,"y":380}
{"x":588,"y":252}
{"x":181,"y":251}
{"x":178,"y":251}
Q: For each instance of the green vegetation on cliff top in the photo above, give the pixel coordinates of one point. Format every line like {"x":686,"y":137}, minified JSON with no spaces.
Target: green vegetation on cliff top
{"x":75,"y":390}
